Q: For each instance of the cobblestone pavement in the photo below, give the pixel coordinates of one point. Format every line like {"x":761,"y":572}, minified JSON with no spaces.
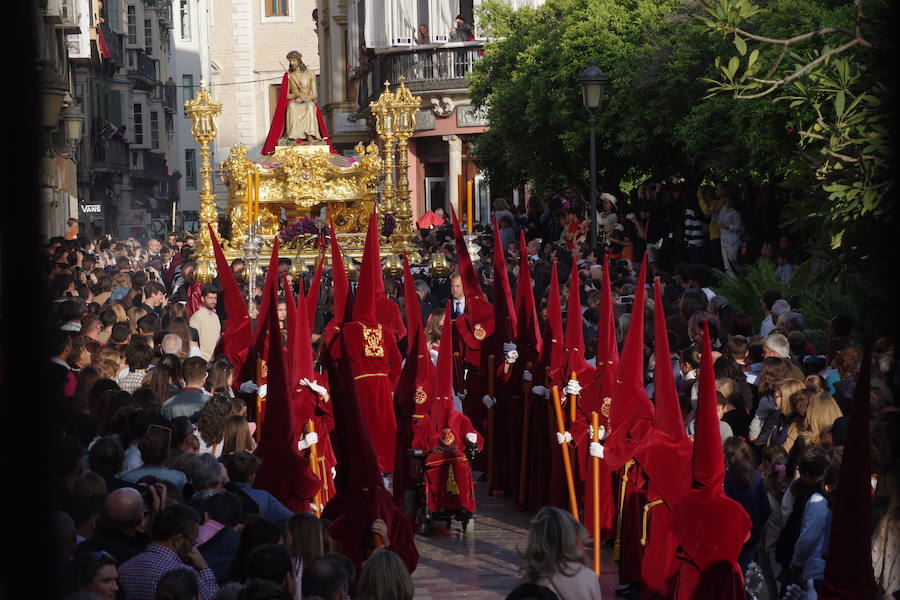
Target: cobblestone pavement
{"x":483,"y":564}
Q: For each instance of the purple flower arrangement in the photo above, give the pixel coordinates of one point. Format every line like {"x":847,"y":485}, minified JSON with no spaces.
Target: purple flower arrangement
{"x":389,"y":225}
{"x":291,"y":231}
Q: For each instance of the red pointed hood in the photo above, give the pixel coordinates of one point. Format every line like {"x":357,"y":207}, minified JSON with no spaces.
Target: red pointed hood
{"x":631,"y":411}
{"x":269,"y":298}
{"x":471,"y":285}
{"x":505,"y":322}
{"x":553,"y":348}
{"x":607,"y":346}
{"x":666,"y":451}
{"x":302,"y":356}
{"x":708,"y":464}
{"x":528,"y":340}
{"x":414,"y":387}
{"x":283,"y":471}
{"x":313,"y":295}
{"x":574,"y":349}
{"x":340,"y":283}
{"x":848,"y":568}
{"x":442,"y":401}
{"x":371,"y":285}
{"x":237,"y":335}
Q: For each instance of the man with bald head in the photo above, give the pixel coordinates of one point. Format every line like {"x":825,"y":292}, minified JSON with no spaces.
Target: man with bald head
{"x":118,"y":531}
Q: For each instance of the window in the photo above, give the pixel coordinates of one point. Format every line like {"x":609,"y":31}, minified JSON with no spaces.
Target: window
{"x":132,"y":26}
{"x":190,"y":169}
{"x":138,"y":119}
{"x":276,"y":8}
{"x":187,"y":85}
{"x":154,"y":130}
{"x":185,"y":10}
{"x":148,"y":36}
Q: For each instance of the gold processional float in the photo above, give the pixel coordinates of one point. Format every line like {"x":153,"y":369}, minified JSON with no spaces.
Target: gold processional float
{"x":309,"y":183}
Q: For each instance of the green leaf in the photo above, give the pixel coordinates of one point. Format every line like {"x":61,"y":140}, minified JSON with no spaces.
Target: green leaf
{"x":740,"y":44}
{"x":733,"y":65}
{"x":836,"y":240}
{"x":752,"y":59}
{"x":839,"y":101}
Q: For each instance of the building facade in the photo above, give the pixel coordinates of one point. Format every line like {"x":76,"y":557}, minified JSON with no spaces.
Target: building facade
{"x":114,"y":59}
{"x":366,"y":42}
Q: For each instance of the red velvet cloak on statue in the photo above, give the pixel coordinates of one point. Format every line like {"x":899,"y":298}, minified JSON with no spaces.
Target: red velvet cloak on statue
{"x":276,"y":130}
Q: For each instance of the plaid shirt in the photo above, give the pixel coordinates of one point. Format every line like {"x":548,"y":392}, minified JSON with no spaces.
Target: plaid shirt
{"x":139,"y":575}
{"x":133,"y":380}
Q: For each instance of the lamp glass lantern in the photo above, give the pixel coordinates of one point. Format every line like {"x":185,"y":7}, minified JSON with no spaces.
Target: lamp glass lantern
{"x":53,"y":91}
{"x":593,"y":80}
{"x":73,"y":119}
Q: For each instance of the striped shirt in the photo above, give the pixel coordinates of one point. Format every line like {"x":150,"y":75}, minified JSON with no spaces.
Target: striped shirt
{"x":693,"y":228}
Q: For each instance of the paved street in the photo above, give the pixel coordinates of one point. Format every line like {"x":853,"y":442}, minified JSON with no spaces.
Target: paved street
{"x":483,"y":564}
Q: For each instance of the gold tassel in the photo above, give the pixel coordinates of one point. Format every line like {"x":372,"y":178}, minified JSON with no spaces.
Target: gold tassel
{"x":617,"y":549}
{"x":647,"y":508}
{"x":451,"y":482}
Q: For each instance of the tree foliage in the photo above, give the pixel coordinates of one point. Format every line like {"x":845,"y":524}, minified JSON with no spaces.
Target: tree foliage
{"x":831,"y":77}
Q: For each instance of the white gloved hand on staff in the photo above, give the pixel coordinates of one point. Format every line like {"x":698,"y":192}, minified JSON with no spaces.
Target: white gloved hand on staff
{"x":488,"y":401}
{"x":563,"y":438}
{"x":540,"y":390}
{"x":248,"y":387}
{"x":572,"y":388}
{"x":472,"y":438}
{"x":596,"y":449}
{"x":308,"y":440}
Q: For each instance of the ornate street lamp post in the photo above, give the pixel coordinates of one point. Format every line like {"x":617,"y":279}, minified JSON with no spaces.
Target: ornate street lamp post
{"x":203,"y":111}
{"x":593,"y":80}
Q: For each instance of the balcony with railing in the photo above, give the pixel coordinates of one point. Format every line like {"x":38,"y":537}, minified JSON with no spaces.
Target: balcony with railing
{"x":142,"y":69}
{"x":427,"y":67}
{"x":168,"y":187}
{"x":115,"y":43}
{"x":109,"y":154}
{"x":169,"y":95}
{"x":149,"y":166}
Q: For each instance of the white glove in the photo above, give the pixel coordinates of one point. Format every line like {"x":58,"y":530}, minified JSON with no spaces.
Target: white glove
{"x":318,"y":389}
{"x":591,"y":432}
{"x":511,"y":356}
{"x":333,"y":472}
{"x":526,"y":375}
{"x":261,"y":392}
{"x":248,"y":387}
{"x":472,"y":438}
{"x":308,"y":440}
{"x":572,"y":387}
{"x":562,"y":439}
{"x":540,"y":390}
{"x":488,"y":401}
{"x":508,"y":347}
{"x":596,"y":449}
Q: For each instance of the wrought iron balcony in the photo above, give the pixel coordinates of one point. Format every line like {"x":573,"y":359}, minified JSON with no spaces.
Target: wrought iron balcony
{"x":115,"y":43}
{"x":149,"y":166}
{"x":428,"y":67}
{"x":109,"y":155}
{"x":142,"y":69}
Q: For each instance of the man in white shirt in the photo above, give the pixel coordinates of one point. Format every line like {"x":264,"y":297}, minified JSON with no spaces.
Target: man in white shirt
{"x":206,"y":321}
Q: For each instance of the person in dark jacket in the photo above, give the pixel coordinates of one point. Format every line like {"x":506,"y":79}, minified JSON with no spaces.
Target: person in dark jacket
{"x":744,"y":484}
{"x":218,"y":540}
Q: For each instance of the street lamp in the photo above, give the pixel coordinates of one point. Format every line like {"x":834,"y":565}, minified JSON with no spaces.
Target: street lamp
{"x":593,"y":80}
{"x":53,"y":91}
{"x":73,"y":120}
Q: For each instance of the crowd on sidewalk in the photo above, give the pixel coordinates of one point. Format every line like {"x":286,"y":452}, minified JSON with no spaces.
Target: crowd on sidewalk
{"x":155,"y":468}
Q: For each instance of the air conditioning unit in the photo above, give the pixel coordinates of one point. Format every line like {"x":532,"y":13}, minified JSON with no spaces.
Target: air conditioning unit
{"x":402,"y":41}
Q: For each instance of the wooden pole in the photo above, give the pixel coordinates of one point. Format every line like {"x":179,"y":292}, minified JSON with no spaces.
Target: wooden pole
{"x":564,"y":447}
{"x":573,"y":400}
{"x":469,"y":209}
{"x":314,"y":467}
{"x":260,"y":399}
{"x":490,"y":440}
{"x":595,"y":469}
{"x":526,"y":416}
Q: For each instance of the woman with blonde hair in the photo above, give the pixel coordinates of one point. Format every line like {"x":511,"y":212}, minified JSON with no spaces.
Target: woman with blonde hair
{"x":433,"y":330}
{"x":237,"y":436}
{"x":554,"y":556}
{"x":791,"y":400}
{"x":821,"y":414}
{"x":119,"y":310}
{"x":384,"y":577}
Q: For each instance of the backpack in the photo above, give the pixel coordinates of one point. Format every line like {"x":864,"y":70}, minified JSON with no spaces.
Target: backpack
{"x":787,"y":539}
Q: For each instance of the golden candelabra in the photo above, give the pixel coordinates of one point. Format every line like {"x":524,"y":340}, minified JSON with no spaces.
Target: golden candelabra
{"x":203,"y":112}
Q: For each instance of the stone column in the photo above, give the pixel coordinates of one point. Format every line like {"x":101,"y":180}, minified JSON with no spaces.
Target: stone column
{"x":454,"y":144}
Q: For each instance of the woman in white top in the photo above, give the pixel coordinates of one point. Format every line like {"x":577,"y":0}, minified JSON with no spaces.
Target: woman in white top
{"x":211,"y":424}
{"x":555,"y":558}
